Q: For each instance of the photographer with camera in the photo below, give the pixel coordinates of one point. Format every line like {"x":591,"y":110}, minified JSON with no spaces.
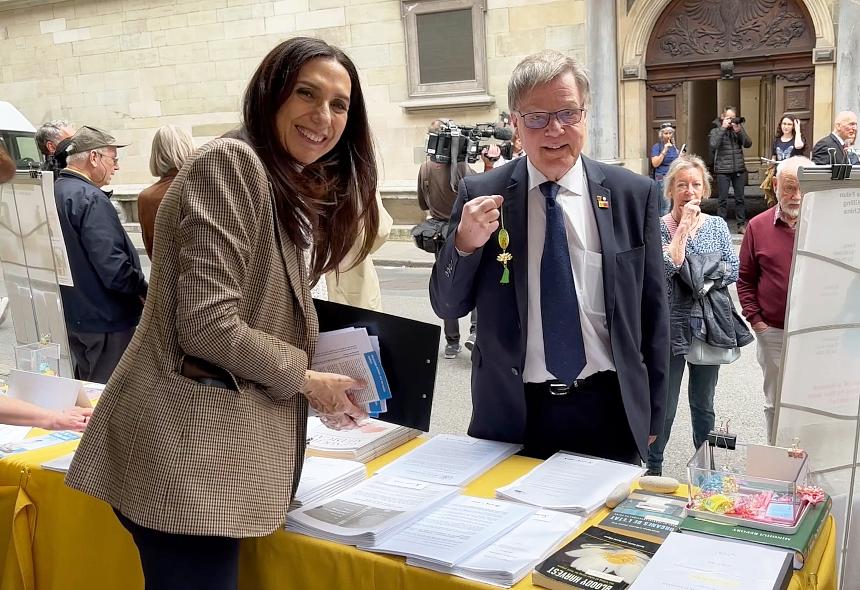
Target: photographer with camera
{"x":436,"y":196}
{"x":727,"y":142}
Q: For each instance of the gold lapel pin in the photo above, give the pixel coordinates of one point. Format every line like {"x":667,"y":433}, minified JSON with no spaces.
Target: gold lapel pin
{"x":602,"y":203}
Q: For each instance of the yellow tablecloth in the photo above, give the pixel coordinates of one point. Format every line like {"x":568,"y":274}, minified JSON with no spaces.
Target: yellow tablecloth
{"x":52,"y":537}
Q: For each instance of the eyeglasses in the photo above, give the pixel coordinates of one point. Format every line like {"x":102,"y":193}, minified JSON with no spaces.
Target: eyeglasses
{"x":114,"y":158}
{"x":540,"y":119}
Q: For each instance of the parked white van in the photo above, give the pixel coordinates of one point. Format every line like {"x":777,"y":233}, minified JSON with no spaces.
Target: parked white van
{"x":17,"y":136}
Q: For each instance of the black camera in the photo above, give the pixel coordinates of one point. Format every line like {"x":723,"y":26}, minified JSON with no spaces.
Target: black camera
{"x":738,"y":120}
{"x":459,"y":143}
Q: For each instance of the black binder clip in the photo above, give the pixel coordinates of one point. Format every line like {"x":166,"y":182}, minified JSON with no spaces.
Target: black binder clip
{"x":838,"y":171}
{"x":722,"y":438}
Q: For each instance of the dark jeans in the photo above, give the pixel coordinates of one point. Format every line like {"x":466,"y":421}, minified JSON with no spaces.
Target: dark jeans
{"x":452,"y":327}
{"x":738,"y":180}
{"x":700,"y":390}
{"x":95,"y":355}
{"x":590,"y":419}
{"x":185,"y":562}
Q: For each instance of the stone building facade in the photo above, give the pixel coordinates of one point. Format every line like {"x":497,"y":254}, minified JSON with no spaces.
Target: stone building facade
{"x":131,"y":66}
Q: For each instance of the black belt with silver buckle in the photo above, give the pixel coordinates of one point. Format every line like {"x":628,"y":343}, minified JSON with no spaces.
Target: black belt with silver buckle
{"x":559,"y":388}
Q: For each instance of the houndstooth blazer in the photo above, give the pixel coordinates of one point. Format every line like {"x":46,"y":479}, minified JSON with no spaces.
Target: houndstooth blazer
{"x":227,"y":286}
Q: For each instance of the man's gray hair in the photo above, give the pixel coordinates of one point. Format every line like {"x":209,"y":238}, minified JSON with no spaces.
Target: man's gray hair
{"x":79,"y":158}
{"x":542,"y":68}
{"x":171,"y":146}
{"x":51,"y":131}
{"x":791,"y":165}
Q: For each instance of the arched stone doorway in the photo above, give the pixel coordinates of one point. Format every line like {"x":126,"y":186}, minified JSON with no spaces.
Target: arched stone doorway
{"x":681,"y":58}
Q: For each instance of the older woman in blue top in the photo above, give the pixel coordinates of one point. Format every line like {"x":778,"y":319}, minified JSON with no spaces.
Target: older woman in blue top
{"x":663,"y":153}
{"x":693,"y":244}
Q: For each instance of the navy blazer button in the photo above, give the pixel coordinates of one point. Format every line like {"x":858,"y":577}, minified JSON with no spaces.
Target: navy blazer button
{"x":514,"y":371}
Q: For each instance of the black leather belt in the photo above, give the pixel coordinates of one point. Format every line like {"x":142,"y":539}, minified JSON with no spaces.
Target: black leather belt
{"x":556,"y":387}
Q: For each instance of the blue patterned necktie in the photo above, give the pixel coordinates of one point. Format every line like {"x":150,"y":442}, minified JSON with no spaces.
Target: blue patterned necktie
{"x":564,"y":349}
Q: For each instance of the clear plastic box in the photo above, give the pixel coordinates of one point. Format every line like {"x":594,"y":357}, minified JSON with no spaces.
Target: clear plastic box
{"x":38,"y":358}
{"x":752,"y":485}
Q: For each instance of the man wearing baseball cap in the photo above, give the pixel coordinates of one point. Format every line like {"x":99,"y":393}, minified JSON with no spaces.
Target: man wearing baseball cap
{"x":103,"y":307}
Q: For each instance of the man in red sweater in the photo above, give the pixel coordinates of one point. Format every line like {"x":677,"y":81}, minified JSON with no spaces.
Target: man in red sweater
{"x":765,"y":255}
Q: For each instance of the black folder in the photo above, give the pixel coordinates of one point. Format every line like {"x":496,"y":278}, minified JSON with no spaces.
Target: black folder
{"x":409,"y":351}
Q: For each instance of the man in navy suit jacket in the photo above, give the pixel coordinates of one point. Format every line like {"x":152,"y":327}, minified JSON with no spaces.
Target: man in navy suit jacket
{"x":843,"y":137}
{"x":573,"y":347}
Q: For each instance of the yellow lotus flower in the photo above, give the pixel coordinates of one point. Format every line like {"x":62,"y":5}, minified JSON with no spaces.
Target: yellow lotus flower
{"x":504,"y":257}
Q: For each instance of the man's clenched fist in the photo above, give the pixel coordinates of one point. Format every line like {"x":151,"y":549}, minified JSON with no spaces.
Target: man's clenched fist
{"x":479,"y":220}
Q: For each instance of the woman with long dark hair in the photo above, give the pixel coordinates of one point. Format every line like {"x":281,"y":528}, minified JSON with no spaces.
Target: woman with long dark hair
{"x":788,"y":140}
{"x":199,"y":438}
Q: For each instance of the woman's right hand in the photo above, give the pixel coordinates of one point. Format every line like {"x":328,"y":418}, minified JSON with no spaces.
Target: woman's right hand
{"x":327,"y":394}
{"x":690,"y":213}
{"x":73,"y":418}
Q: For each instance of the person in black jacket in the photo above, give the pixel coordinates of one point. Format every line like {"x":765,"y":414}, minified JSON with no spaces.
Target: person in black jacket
{"x":104,"y":305}
{"x":840,"y":141}
{"x":727,"y":142}
{"x":52,"y":139}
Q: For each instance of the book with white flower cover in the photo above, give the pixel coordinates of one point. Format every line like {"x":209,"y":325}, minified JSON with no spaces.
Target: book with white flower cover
{"x":597,"y":559}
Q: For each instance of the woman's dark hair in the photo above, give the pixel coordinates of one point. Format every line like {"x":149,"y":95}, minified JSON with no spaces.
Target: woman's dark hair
{"x":791,"y":118}
{"x":330,"y":203}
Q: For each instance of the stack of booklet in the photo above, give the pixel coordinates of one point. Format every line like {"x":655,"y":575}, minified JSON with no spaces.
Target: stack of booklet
{"x":323,"y":478}
{"x":481,"y":539}
{"x":367,"y":442}
{"x":60,"y":464}
{"x":449,"y":459}
{"x":370,"y":512}
{"x":570,"y":483}
{"x":687,"y":561}
{"x":355,"y":353}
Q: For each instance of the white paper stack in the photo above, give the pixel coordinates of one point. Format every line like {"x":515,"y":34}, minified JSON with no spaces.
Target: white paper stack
{"x":709,"y":563}
{"x":570,"y":483}
{"x":367,"y":442}
{"x":450,"y":460}
{"x":323,"y":478}
{"x":13,"y":434}
{"x":453,"y":531}
{"x":512,"y":556}
{"x":355,"y":353}
{"x":368,"y":513}
{"x":60,"y":464}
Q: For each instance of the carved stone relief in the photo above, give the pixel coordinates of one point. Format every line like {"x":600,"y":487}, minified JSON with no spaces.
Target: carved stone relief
{"x":729,"y":28}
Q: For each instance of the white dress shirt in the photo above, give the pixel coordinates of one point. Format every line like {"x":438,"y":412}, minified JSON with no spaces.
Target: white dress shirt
{"x":586,"y":261}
